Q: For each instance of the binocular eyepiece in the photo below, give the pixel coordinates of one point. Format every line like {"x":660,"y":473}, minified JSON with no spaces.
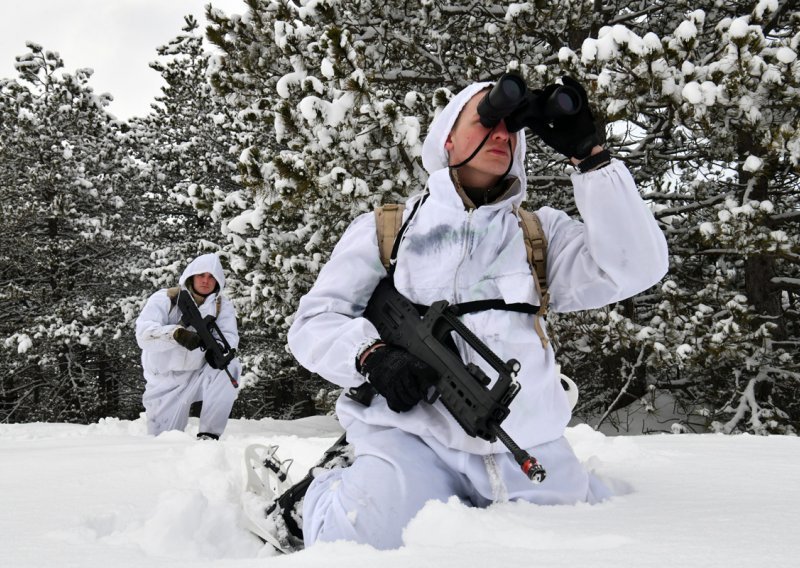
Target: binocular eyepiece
{"x":510,"y":94}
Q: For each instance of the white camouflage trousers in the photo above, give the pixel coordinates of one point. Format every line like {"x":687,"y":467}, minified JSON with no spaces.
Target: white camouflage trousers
{"x":395,"y":473}
{"x":167,"y":398}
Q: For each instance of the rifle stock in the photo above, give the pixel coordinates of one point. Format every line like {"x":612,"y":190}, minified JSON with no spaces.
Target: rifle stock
{"x":462,"y":388}
{"x":220,"y":350}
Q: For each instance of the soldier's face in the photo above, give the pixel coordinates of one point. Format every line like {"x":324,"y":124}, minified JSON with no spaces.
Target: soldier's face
{"x":204,"y":283}
{"x":488,"y":166}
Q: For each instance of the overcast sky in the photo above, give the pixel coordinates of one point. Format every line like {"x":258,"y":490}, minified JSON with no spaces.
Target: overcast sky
{"x":116,"y":38}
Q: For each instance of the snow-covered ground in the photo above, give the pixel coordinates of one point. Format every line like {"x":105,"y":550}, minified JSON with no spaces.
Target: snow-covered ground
{"x":109,"y":495}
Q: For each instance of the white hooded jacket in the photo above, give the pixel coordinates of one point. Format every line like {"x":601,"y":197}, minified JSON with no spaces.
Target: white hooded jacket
{"x":161,"y":354}
{"x":461,"y":255}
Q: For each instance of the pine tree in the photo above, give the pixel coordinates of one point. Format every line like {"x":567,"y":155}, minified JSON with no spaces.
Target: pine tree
{"x":66,"y":356}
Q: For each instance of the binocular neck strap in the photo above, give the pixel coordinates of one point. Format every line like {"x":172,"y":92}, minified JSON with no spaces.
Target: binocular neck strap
{"x":478,"y":149}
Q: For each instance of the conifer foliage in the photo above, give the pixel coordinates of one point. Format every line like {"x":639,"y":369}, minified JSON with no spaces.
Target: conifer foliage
{"x":182,"y":158}
{"x":703,"y":101}
{"x":63,"y":202}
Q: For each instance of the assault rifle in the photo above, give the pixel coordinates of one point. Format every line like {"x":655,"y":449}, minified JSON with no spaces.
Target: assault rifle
{"x":218,"y":351}
{"x":462,"y":388}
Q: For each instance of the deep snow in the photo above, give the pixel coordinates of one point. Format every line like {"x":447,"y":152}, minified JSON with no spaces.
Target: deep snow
{"x":109,"y":495}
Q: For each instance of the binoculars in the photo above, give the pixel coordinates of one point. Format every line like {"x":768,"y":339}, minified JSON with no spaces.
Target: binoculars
{"x":510,"y":94}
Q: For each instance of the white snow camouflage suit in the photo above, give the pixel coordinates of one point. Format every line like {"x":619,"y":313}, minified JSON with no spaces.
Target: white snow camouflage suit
{"x":177,"y":377}
{"x":450,"y":252}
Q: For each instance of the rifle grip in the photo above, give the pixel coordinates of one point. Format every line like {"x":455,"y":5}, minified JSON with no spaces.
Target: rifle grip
{"x":362,"y":394}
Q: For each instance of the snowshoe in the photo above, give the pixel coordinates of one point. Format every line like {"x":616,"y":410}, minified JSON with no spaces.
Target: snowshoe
{"x":267,"y":475}
{"x":272,"y":506}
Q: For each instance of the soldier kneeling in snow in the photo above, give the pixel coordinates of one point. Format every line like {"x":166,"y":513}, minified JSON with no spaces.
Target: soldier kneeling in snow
{"x":178,"y":369}
{"x":462,"y":242}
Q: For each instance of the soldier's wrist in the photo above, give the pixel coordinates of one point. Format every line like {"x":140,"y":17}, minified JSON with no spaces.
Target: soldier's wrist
{"x":599,"y":158}
{"x":365,"y":352}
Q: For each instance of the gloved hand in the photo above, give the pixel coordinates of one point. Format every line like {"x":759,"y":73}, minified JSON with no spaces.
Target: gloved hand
{"x":187,"y":338}
{"x":400,"y":377}
{"x":571,"y":135}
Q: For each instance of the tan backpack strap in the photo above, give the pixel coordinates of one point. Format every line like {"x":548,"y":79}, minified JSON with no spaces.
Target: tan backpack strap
{"x":388,"y":220}
{"x":219,"y":304}
{"x":536,"y":248}
{"x":172,"y":294}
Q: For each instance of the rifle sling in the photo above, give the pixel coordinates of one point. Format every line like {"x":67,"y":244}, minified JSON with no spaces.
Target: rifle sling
{"x":481,"y":305}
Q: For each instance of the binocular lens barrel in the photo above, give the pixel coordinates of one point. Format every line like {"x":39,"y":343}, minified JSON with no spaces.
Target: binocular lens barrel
{"x":509,"y":94}
{"x":511,"y":88}
{"x":563,"y":102}
{"x":506,"y":95}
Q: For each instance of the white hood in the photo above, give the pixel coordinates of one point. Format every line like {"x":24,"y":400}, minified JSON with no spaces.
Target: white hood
{"x":434,"y":155}
{"x":205,"y":263}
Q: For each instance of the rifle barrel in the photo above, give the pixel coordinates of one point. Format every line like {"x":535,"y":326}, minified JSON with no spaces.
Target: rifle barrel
{"x":530,"y":467}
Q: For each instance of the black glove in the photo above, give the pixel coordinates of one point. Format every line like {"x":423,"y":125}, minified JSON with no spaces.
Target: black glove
{"x":188,"y":339}
{"x":399,"y":376}
{"x":572,"y":135}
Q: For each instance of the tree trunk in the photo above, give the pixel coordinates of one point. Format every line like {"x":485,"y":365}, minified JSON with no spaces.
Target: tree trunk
{"x":760,"y":268}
